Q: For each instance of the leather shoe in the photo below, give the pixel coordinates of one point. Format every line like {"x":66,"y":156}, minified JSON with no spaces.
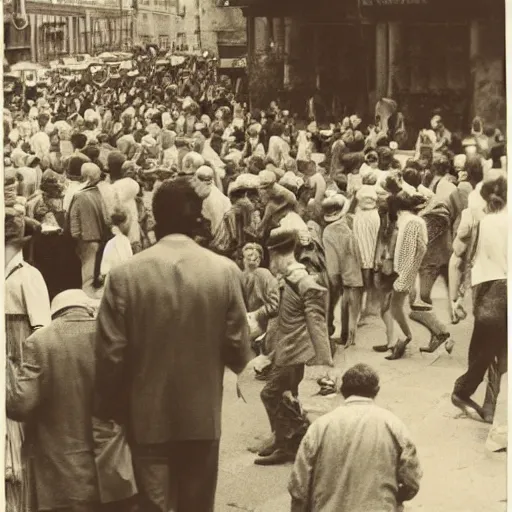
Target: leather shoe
{"x":467,"y":406}
{"x":277,"y":457}
{"x":435,"y":342}
{"x":266,"y":445}
{"x":398,"y":351}
{"x":381,"y":348}
{"x":420,"y":305}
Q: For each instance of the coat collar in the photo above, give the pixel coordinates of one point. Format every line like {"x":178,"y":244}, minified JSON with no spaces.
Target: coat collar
{"x":177,"y":238}
{"x":16,"y":260}
{"x":354,"y":399}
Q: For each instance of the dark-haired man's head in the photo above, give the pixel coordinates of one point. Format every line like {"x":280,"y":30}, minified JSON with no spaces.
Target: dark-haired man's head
{"x":352,"y":162}
{"x":385,"y":158}
{"x":78,"y":141}
{"x":474,"y":169}
{"x":412,"y":177}
{"x":441,"y":166}
{"x":115,"y":162}
{"x":177,"y":209}
{"x":360,"y":380}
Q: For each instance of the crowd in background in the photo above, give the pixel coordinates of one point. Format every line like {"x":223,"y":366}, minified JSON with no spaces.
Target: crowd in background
{"x":375,"y":226}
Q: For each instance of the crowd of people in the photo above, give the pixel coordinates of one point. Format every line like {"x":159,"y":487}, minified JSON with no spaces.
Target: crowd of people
{"x":155,"y":236}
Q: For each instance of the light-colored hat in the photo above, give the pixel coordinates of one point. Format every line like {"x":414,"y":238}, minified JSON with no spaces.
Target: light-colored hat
{"x":333,"y":207}
{"x":244,"y":182}
{"x":459,"y":161}
{"x":205,"y":174}
{"x":291,"y":180}
{"x":70,"y":299}
{"x":267,"y":178}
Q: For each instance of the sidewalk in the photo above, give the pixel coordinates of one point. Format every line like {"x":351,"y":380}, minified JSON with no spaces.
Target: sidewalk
{"x":459,"y":474}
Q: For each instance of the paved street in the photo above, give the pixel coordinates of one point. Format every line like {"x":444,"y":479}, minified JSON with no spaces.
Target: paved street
{"x":459,"y":474}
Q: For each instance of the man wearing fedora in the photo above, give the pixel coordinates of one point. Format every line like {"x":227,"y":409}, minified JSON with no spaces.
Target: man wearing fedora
{"x":171,"y":319}
{"x":300,"y":338}
{"x":53,"y":393}
{"x":343,"y":266}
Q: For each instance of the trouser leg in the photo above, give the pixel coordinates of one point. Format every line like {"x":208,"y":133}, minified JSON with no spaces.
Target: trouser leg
{"x":428,"y":319}
{"x":485,"y":346}
{"x":196,"y":466}
{"x":281,"y":379}
{"x":153,"y":476}
{"x":87,"y":252}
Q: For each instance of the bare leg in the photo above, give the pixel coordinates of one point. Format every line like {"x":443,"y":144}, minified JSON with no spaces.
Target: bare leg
{"x":397,"y":311}
{"x":354,"y":307}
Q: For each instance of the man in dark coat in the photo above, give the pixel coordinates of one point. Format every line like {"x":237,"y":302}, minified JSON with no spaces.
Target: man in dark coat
{"x":171,"y":319}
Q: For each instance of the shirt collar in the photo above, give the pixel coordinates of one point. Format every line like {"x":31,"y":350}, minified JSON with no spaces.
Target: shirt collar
{"x":16,"y":260}
{"x":360,"y":399}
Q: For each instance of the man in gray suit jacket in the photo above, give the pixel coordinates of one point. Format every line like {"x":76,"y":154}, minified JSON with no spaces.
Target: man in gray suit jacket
{"x":171,"y":319}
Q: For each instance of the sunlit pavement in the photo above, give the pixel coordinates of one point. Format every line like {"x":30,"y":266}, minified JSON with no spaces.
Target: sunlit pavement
{"x":460,"y":475}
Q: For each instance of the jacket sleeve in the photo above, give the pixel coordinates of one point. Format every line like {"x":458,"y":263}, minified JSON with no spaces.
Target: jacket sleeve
{"x":26,"y":386}
{"x":75,"y":225}
{"x":463,"y":237}
{"x":272,"y":296}
{"x":315,"y":309}
{"x":409,"y":471}
{"x":331,"y":256}
{"x":111,"y":344}
{"x":299,"y":484}
{"x":237,"y":349}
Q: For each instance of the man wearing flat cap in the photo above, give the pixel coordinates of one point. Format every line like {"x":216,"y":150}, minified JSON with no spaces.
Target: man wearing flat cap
{"x":301,"y":338}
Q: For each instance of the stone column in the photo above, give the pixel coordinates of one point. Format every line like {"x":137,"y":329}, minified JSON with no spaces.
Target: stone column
{"x":474,"y":39}
{"x":381,"y":64}
{"x":71,"y":36}
{"x":261,"y":35}
{"x":474,"y":54}
{"x":33,"y":37}
{"x":393,"y":71}
{"x":316,"y":50}
{"x":88,"y":33}
{"x":287,"y":50}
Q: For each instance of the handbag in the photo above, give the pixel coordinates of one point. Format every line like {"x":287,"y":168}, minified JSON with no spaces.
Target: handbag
{"x":116,"y":478}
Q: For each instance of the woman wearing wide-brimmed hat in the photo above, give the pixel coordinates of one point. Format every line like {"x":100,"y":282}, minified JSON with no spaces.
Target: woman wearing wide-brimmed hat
{"x":27,"y":308}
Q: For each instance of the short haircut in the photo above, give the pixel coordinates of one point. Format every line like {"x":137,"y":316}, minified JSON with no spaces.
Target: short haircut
{"x":441,"y":165}
{"x":474,"y":169}
{"x":177,"y":208}
{"x":78,"y":140}
{"x":352,"y":162}
{"x":119,"y":217}
{"x":360,"y":380}
{"x":412,"y":177}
